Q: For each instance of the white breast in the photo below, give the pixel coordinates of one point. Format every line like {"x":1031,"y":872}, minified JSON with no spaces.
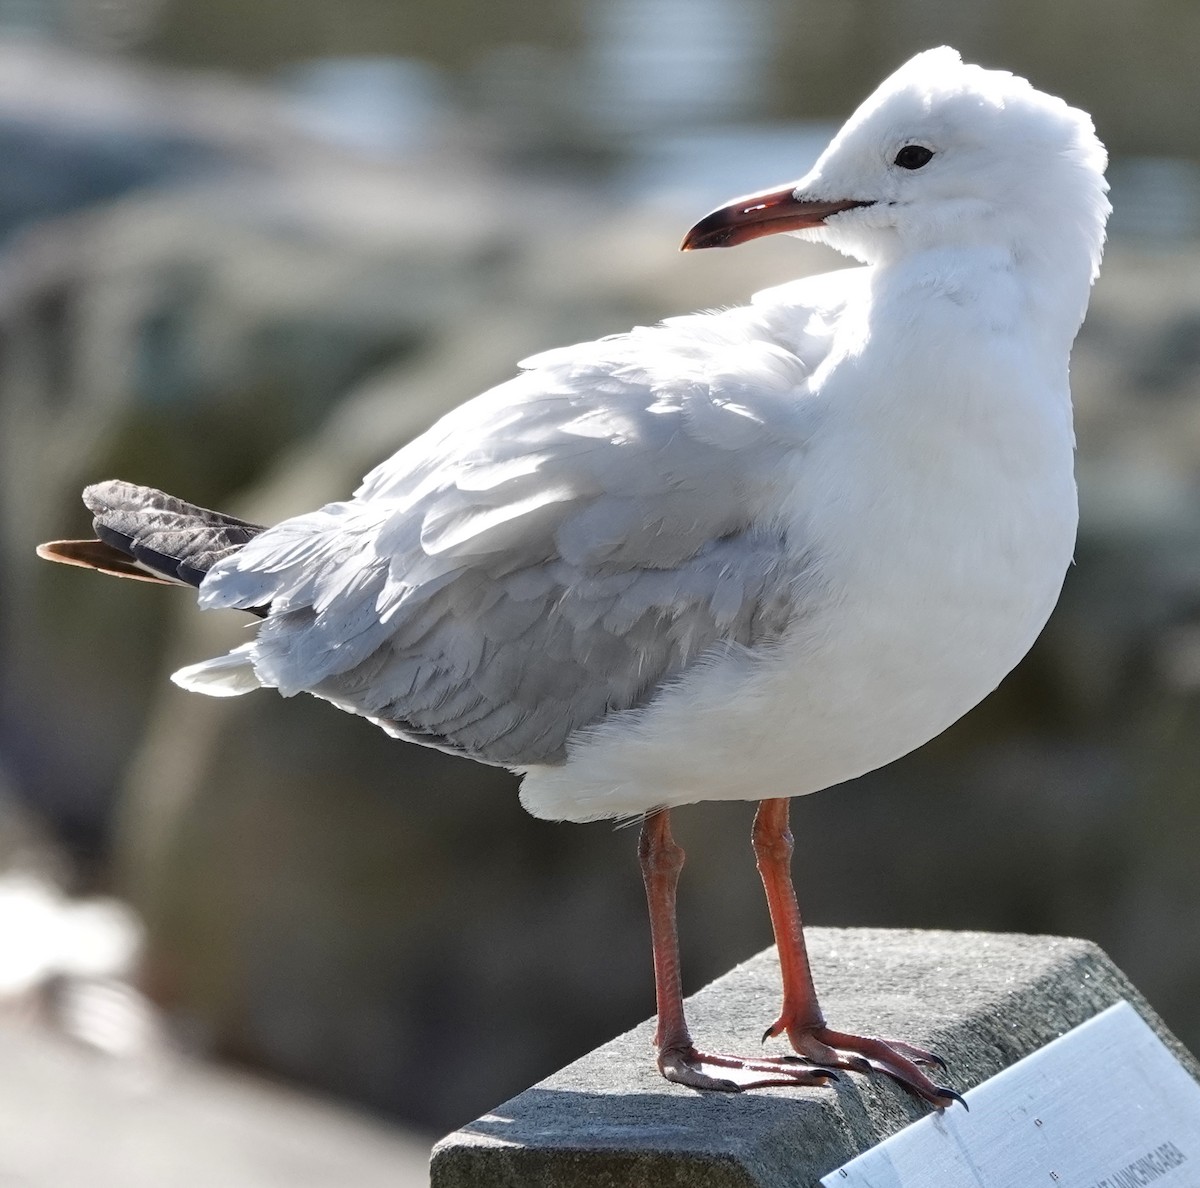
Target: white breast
{"x":942,"y":515}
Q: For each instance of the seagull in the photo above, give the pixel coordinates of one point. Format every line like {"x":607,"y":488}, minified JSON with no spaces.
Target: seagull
{"x":740,"y":555}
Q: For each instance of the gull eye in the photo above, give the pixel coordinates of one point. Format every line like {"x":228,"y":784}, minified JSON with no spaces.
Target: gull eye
{"x":913,"y":156}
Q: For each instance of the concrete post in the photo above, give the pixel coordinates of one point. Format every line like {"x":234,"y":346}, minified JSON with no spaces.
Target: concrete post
{"x":981,"y":1000}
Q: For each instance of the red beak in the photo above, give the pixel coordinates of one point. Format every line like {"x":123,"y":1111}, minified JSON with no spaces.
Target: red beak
{"x":765,"y":213}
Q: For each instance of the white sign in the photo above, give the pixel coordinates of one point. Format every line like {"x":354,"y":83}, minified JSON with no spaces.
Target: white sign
{"x":1105,"y":1106}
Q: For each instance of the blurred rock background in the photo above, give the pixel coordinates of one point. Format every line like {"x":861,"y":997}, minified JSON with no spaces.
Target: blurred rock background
{"x":247,"y":250}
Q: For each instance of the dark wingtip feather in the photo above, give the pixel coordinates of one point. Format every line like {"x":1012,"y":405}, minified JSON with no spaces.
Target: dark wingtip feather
{"x":95,"y":554}
{"x":169,"y":536}
{"x":151,"y":536}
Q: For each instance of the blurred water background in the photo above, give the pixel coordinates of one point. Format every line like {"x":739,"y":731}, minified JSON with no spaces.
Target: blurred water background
{"x":247,"y":250}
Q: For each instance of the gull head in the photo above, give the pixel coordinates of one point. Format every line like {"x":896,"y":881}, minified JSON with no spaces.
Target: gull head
{"x":942,"y":155}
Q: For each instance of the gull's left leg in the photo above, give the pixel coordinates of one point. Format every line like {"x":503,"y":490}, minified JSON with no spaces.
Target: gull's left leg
{"x":678,"y":1058}
{"x":801,"y":1015}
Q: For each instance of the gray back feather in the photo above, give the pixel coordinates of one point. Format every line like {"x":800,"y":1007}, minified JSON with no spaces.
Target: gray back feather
{"x":550,"y":552}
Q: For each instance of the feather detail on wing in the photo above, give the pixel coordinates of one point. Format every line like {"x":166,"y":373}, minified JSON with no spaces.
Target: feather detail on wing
{"x":551,"y":551}
{"x":95,"y":554}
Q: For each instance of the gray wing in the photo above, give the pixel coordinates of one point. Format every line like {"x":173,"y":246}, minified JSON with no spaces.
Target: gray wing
{"x":548,"y":553}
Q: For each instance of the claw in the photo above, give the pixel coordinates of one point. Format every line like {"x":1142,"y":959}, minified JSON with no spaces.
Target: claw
{"x":865,"y":1054}
{"x":945,"y":1091}
{"x":817,"y":1070}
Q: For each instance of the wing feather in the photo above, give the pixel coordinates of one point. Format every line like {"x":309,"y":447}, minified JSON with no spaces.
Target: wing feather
{"x":554,"y":550}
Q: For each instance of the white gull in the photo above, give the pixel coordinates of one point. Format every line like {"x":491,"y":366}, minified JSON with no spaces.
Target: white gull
{"x":744,"y":554}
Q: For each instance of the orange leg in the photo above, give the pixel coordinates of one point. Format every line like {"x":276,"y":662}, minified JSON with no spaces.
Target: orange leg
{"x":801,"y":1016}
{"x":678,"y":1059}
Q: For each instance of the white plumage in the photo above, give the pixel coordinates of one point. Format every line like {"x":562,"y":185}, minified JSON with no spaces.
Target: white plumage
{"x":757,"y":551}
{"x":740,"y":555}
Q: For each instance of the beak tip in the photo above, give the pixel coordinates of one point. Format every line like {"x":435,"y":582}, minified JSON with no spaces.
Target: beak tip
{"x":766,"y":213}
{"x":702,"y":236}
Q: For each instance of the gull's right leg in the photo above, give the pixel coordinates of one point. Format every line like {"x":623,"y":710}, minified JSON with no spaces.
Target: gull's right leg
{"x":801,"y":1017}
{"x":678,"y":1059}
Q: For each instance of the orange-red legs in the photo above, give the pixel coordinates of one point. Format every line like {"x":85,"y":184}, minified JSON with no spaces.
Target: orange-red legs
{"x":678,"y":1058}
{"x":801,"y":1016}
{"x":820,"y":1048}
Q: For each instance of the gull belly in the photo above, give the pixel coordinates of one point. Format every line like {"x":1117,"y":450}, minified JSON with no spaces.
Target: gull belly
{"x":934,"y":523}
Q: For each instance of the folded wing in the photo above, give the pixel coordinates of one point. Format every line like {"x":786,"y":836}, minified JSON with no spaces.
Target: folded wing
{"x":548,"y":553}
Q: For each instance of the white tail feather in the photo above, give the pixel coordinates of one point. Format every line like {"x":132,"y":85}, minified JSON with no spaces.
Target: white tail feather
{"x":230,"y":675}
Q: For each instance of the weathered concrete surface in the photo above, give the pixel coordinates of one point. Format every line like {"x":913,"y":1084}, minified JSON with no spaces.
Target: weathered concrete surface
{"x":981,"y":1000}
